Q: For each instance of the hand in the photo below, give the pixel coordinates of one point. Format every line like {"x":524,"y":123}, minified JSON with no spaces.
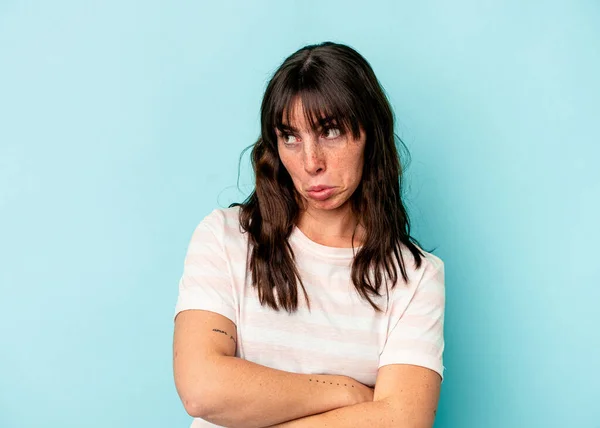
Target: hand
{"x":359,"y":393}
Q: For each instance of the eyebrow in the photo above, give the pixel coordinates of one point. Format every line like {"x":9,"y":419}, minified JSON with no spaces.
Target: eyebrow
{"x":324,"y":121}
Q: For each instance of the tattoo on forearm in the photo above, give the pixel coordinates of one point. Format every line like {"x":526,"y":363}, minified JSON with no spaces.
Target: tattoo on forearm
{"x":331,"y":383}
{"x":225,"y":333}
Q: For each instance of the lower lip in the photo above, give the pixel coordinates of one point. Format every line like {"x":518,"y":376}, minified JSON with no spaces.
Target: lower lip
{"x":321,"y":195}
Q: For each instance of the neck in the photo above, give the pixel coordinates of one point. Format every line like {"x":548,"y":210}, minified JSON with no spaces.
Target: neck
{"x":331,"y":227}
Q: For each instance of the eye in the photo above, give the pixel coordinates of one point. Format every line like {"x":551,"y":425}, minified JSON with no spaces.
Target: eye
{"x":332,"y":133}
{"x":285,"y":137}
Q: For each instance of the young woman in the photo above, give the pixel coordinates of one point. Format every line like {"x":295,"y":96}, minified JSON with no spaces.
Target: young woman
{"x":309,"y":304}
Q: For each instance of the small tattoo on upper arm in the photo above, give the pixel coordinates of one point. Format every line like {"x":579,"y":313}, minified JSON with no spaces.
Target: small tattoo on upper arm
{"x":225,"y":333}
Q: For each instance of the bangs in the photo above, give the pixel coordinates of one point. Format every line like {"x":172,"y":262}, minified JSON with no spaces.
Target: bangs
{"x":322,"y":104}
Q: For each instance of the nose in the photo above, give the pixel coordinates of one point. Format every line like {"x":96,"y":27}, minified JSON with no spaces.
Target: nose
{"x":314,"y":159}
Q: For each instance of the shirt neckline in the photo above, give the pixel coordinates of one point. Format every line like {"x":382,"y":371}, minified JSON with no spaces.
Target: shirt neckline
{"x":339,"y":253}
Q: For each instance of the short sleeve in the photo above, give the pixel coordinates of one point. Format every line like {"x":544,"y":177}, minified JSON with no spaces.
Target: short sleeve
{"x":417,"y":337}
{"x":206,"y":281}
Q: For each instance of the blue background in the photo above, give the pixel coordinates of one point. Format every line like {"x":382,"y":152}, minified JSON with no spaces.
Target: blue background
{"x":121,"y":126}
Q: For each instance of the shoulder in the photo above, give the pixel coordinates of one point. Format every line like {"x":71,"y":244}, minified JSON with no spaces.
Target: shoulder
{"x":425,"y":289}
{"x":221,"y":224}
{"x":432,"y":266}
{"x":429,"y":287}
{"x":221,"y":221}
{"x":430,"y":263}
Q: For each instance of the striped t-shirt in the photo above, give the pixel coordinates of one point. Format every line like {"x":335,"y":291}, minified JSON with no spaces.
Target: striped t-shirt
{"x":341,"y":334}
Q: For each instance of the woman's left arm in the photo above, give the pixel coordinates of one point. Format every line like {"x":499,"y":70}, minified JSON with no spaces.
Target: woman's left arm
{"x":406,"y":396}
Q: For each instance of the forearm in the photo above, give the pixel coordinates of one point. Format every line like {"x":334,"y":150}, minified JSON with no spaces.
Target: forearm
{"x":244,"y":394}
{"x":381,"y":414}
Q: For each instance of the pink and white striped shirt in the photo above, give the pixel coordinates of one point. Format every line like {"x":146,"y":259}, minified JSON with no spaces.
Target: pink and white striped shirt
{"x":342,"y":334}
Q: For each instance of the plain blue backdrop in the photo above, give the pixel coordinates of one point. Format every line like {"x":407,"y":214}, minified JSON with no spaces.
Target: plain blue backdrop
{"x":121,"y":126}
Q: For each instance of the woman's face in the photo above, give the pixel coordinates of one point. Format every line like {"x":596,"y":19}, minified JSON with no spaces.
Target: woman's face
{"x":321,"y":157}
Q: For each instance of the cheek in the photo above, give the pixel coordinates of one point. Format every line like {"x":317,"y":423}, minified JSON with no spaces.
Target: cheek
{"x":283,"y":159}
{"x":351,"y":167}
{"x":289,"y":163}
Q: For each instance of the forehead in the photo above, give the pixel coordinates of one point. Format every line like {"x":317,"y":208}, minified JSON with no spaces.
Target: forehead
{"x":294,"y":112}
{"x":296,"y":117}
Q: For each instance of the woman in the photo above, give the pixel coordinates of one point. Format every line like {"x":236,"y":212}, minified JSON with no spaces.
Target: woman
{"x":362,"y":344}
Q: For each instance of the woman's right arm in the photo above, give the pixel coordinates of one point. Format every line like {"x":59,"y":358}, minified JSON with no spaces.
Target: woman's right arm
{"x":218,"y":387}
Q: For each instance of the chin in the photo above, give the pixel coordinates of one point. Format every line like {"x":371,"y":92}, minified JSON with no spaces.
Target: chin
{"x":329,"y":204}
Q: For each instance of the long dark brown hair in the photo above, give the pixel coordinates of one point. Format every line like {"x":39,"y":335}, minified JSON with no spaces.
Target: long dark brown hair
{"x":331,"y":80}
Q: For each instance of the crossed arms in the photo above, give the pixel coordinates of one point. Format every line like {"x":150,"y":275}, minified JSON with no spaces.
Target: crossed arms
{"x":218,"y":387}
